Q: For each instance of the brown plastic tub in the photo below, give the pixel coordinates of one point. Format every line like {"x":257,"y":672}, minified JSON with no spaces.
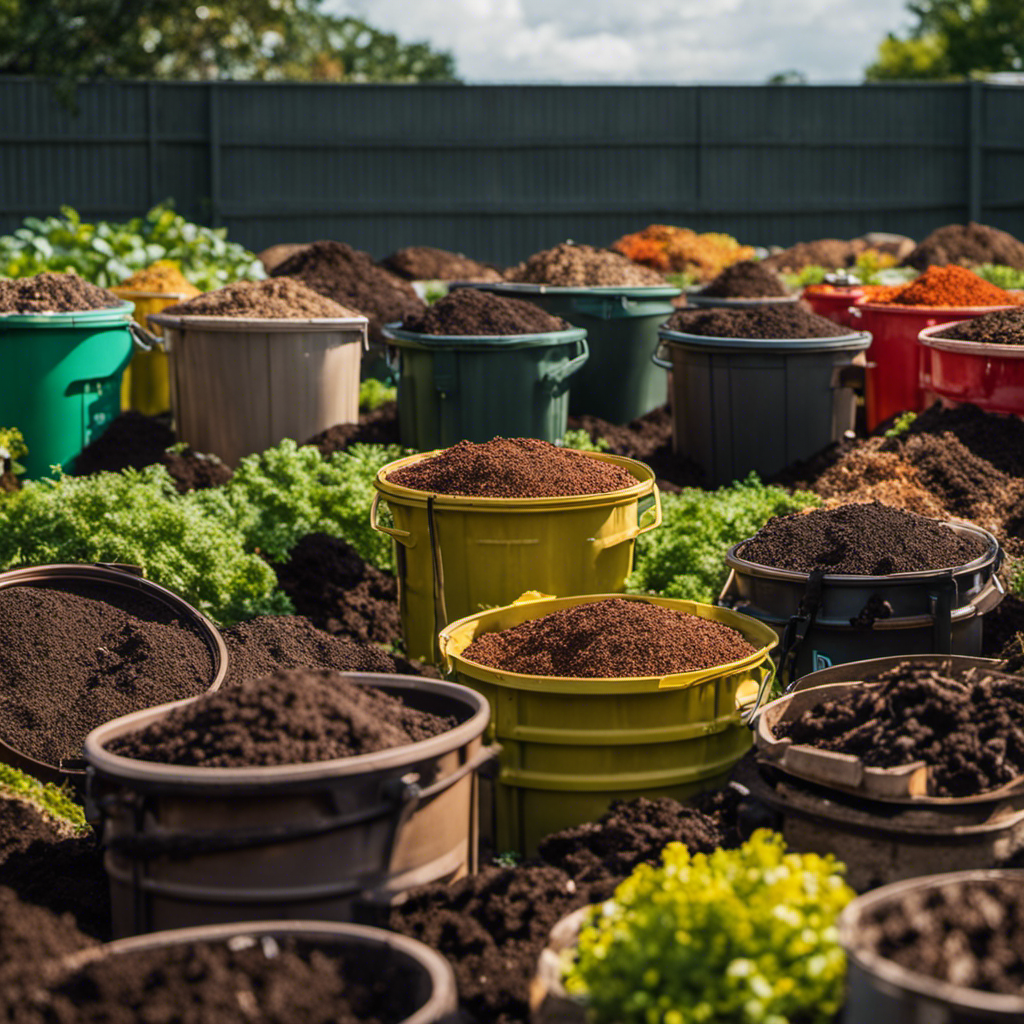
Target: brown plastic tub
{"x":188,"y":846}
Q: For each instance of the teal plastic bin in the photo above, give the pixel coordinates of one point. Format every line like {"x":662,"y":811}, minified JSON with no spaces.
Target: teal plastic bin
{"x":60,"y":380}
{"x":461,"y":388}
{"x":619,"y":382}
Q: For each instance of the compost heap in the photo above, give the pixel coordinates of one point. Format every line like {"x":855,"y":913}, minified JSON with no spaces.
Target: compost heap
{"x":1003,"y":327}
{"x":830,"y":253}
{"x":768,"y":322}
{"x":861,"y":539}
{"x":968,"y":245}
{"x":161,"y":278}
{"x":353,"y":279}
{"x":22,"y":822}
{"x":610,"y":639}
{"x":674,"y":250}
{"x":53,"y":293}
{"x":518,"y":467}
{"x":292,"y":717}
{"x":966,"y":728}
{"x":276,"y":299}
{"x":747,"y":279}
{"x":582,"y":266}
{"x":424,"y":263}
{"x":470,"y":311}
{"x":82,"y":655}
{"x":951,"y":286}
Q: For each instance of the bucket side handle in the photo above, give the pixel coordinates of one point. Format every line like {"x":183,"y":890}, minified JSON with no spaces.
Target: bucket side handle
{"x":749,"y":710}
{"x":144,"y":340}
{"x":659,"y":359}
{"x":402,"y":536}
{"x":558,"y":374}
{"x":632,"y":532}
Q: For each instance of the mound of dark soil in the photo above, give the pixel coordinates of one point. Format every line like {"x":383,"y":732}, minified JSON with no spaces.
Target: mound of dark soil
{"x":583,"y":266}
{"x":53,"y":293}
{"x":470,"y":311}
{"x":747,"y":279}
{"x":377,"y":427}
{"x":1003,"y":327}
{"x":424,"y":263}
{"x":831,"y":253}
{"x":968,"y":245}
{"x":276,"y":299}
{"x":768,"y":321}
{"x":22,"y":823}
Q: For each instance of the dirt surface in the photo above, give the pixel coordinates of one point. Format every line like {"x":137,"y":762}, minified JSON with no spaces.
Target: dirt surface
{"x":946,"y":287}
{"x":518,"y":467}
{"x":377,"y":427}
{"x":583,"y":266}
{"x":783,"y":321}
{"x":30,"y":935}
{"x":339,"y":592}
{"x":869,"y":539}
{"x":966,"y":728}
{"x":831,"y":253}
{"x":195,"y":471}
{"x":22,"y":823}
{"x":1004,"y":327}
{"x":748,"y":279}
{"x":1003,"y":633}
{"x":469,"y":311}
{"x":77,"y":657}
{"x":294,"y":717}
{"x":351,"y":277}
{"x":969,"y":934}
{"x":968,"y":245}
{"x":424,"y":263}
{"x":280,"y":298}
{"x":607,"y":639}
{"x":53,"y":293}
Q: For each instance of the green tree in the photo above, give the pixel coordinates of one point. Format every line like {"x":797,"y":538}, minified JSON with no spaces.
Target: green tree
{"x":954,"y":39}
{"x":192,"y":39}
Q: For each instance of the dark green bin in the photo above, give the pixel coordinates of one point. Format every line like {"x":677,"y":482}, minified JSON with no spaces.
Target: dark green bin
{"x":618,"y":383}
{"x":462,"y":388}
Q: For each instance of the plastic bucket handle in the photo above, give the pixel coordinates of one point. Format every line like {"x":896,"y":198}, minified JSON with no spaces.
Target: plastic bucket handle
{"x":402,"y":536}
{"x":556,"y":375}
{"x":632,"y":532}
{"x":659,"y":360}
{"x":617,"y":307}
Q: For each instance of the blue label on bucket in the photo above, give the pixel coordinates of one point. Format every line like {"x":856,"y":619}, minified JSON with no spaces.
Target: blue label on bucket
{"x":821,"y":661}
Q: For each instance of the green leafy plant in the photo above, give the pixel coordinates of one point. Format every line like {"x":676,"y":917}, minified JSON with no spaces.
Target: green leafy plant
{"x":12,"y":448}
{"x":374,"y":393}
{"x":744,"y":936}
{"x":582,"y":442}
{"x":1000,"y":276}
{"x":684,"y":558}
{"x":54,"y":800}
{"x":901,"y":424}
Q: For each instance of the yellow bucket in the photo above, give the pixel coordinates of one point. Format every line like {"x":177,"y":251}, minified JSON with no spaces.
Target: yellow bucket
{"x":145,"y":386}
{"x":572,"y":746}
{"x":455,"y":556}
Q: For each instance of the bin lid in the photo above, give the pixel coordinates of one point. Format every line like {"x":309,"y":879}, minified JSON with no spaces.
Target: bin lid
{"x":109,"y":316}
{"x":855,"y":340}
{"x":413,"y":339}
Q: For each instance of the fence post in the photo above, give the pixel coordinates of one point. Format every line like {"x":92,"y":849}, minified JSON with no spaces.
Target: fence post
{"x":975,"y":127}
{"x":213,"y":144}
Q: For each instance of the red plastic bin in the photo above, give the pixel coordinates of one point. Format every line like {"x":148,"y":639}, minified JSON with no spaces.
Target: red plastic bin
{"x":835,"y":303}
{"x":987,"y":375}
{"x":896,"y":366}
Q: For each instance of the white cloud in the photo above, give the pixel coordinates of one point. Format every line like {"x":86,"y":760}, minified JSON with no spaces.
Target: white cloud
{"x":641,"y":40}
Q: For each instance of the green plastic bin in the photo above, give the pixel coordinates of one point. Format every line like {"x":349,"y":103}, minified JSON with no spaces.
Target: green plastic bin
{"x":618,"y":383}
{"x":463,"y":388}
{"x":60,"y":383}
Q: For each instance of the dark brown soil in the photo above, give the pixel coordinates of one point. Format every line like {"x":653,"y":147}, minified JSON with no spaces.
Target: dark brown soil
{"x":966,"y":729}
{"x":295,"y":717}
{"x":747,"y":279}
{"x":351,"y":277}
{"x":1003,"y":633}
{"x":22,"y":823}
{"x":270,"y":643}
{"x":424,"y":263}
{"x":469,"y":311}
{"x":583,"y":266}
{"x":276,"y":299}
{"x":53,"y":293}
{"x":195,"y":471}
{"x":969,"y":934}
{"x":518,"y":467}
{"x":77,"y":657}
{"x":609,"y":639}
{"x":967,"y":245}
{"x":339,"y":592}
{"x":782,"y":321}
{"x":30,"y":935}
{"x":1004,"y":327}
{"x":377,"y":427}
{"x":869,"y":539}
{"x":831,"y":253}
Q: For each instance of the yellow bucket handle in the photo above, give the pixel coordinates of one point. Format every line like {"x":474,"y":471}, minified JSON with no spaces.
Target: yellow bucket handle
{"x":402,"y":536}
{"x":633,"y":531}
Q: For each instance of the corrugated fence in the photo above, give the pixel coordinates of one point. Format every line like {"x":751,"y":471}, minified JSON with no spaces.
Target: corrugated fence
{"x":501,"y":171}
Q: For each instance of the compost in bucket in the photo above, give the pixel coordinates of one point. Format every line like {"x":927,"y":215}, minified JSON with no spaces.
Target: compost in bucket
{"x":475,"y":313}
{"x":746,"y":279}
{"x":278,"y":298}
{"x":1002,"y":327}
{"x":582,"y":266}
{"x":53,"y":293}
{"x":768,"y":322}
{"x":425,"y":263}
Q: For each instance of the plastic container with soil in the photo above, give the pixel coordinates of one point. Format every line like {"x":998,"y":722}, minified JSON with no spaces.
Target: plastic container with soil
{"x":368,"y":953}
{"x":857,"y":671}
{"x":61,"y":386}
{"x":878,"y":989}
{"x":572,"y":746}
{"x":122,"y":578}
{"x":241,"y":385}
{"x":831,"y":618}
{"x":617,"y":383}
{"x":742,"y":404}
{"x":833,"y":301}
{"x":188,"y":846}
{"x":455,"y":388}
{"x":985,"y":374}
{"x":896,"y":360}
{"x":455,"y":555}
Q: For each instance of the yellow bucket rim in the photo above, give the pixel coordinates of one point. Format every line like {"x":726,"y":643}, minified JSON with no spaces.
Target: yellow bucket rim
{"x":460,"y":635}
{"x":643,"y":473}
{"x":132,"y":293}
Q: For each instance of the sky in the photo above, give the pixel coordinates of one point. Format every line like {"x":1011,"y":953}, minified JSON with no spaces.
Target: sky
{"x":624,"y":41}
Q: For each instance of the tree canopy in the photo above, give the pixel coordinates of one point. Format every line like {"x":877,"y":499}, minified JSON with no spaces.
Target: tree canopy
{"x":262,"y":40}
{"x":954,"y":39}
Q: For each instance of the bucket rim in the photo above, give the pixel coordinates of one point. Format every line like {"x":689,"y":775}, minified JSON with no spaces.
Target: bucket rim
{"x":637,"y":291}
{"x":113,"y":575}
{"x":764,"y":639}
{"x":737,"y":562}
{"x":414,"y":339}
{"x":896,"y":976}
{"x":254,"y":777}
{"x":853,"y":341}
{"x":645,"y":481}
{"x":964,"y":346}
{"x":865,"y":303}
{"x":139,"y":293}
{"x":256,"y":325}
{"x":699,"y":299}
{"x":441,"y":975}
{"x":869,"y":666}
{"x":108,"y":316}
{"x":839,"y":290}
